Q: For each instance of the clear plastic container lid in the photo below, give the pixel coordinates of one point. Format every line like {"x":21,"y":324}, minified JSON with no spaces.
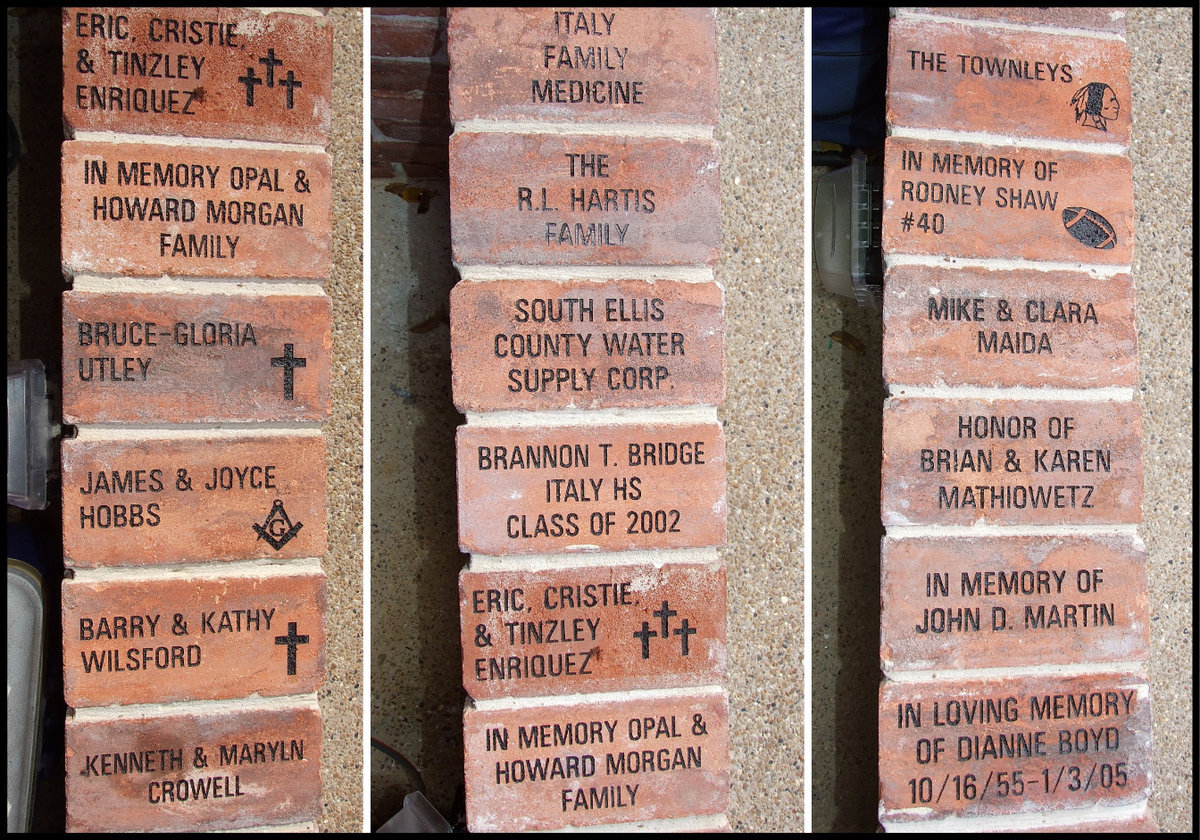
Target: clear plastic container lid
{"x":29,"y":434}
{"x":846,"y":232}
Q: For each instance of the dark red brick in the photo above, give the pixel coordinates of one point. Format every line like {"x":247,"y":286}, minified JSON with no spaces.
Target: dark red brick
{"x":144,"y":499}
{"x":203,"y":769}
{"x":1006,"y":202}
{"x":1011,"y":745}
{"x":167,"y":71}
{"x":1004,"y":81}
{"x":627,"y":65}
{"x":584,"y":629}
{"x":138,"y":357}
{"x":192,"y":637}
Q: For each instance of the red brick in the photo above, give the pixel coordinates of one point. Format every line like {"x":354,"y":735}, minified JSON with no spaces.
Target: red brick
{"x":195,"y":226}
{"x":1091,"y":473}
{"x":678,"y":357}
{"x":596,"y":498}
{"x":683,"y":736}
{"x":121,"y":770}
{"x":410,"y":132}
{"x":167,"y":71}
{"x":409,"y":36}
{"x":664,"y":207}
{"x":1100,"y":19}
{"x":429,"y":156}
{"x":1063,"y":329}
{"x":411,"y":107}
{"x":137,"y":500}
{"x":547,"y":64}
{"x":952,"y":747}
{"x":1073,"y":207}
{"x":158,"y":640}
{"x":585,"y":629}
{"x":143,"y":357}
{"x":948,"y":602}
{"x":393,"y":76}
{"x":971,"y":78}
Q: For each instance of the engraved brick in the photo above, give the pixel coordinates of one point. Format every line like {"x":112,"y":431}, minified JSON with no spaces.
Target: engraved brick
{"x":959,"y":602}
{"x":1099,"y":19}
{"x":241,"y":74}
{"x":588,"y":762}
{"x":149,"y":209}
{"x":966,"y":326}
{"x":1006,"y":202}
{"x":539,"y":344}
{"x":138,"y":499}
{"x":630,"y":65}
{"x":538,"y":489}
{"x":194,"y":637}
{"x":987,"y":79}
{"x":205,"y":769}
{"x":1013,"y":462}
{"x":584,"y":629}
{"x":1012,"y":745}
{"x":544,"y":199}
{"x":142,"y":357}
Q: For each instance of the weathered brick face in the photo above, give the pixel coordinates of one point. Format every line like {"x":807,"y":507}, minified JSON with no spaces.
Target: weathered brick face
{"x":587,"y":629}
{"x":1057,"y":87}
{"x":964,"y":747}
{"x":963,"y":461}
{"x":144,"y":358}
{"x":998,"y":329}
{"x":162,"y":500}
{"x":624,"y":66}
{"x":549,"y":199}
{"x":143,"y":209}
{"x":653,"y":757}
{"x":544,"y":344}
{"x":201,"y":769}
{"x":528,"y":490}
{"x":954,"y":602}
{"x":1007,"y":202}
{"x":159,"y":640}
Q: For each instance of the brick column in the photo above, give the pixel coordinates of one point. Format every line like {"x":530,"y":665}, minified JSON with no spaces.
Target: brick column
{"x":1015,"y":624}
{"x":196,"y":229}
{"x":588,"y":357}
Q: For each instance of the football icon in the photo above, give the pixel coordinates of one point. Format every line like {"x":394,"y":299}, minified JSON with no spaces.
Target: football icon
{"x":1089,"y":227}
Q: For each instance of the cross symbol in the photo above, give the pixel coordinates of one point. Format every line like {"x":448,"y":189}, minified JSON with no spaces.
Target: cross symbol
{"x":685,"y":631}
{"x":287,"y":361}
{"x":250,"y":80}
{"x":665,"y":613}
{"x":291,"y":640}
{"x":271,"y":62}
{"x":291,"y":83}
{"x":645,"y":634}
